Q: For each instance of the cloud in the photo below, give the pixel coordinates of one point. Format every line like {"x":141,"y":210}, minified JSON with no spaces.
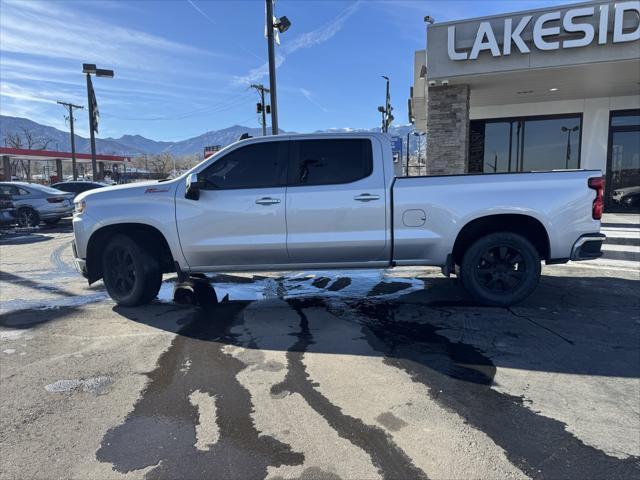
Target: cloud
{"x":306,"y":40}
{"x":309,"y":96}
{"x":201,"y":12}
{"x":50,"y":30}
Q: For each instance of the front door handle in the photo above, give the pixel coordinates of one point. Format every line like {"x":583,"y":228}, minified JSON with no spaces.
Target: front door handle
{"x":267,"y":201}
{"x":366,"y":197}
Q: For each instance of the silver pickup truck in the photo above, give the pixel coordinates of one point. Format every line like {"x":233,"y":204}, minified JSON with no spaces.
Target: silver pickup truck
{"x":324,"y":201}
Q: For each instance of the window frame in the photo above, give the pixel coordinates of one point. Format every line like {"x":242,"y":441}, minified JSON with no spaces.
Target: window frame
{"x":281,"y":176}
{"x":294,"y":155}
{"x":524,"y":119}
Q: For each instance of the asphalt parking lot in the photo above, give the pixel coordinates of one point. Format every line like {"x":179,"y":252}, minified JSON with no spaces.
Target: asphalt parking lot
{"x":320,"y":375}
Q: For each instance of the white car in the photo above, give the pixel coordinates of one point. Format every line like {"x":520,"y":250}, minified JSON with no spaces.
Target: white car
{"x":321,"y":201}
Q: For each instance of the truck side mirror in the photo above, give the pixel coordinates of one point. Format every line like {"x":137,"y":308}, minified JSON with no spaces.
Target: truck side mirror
{"x":194,"y":184}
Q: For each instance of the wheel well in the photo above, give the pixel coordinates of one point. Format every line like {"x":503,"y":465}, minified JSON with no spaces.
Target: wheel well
{"x":524,"y":225}
{"x":147,"y":236}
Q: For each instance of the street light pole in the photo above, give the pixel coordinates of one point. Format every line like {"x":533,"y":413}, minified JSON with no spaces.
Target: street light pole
{"x":408,"y":142}
{"x":92,"y":135}
{"x":282,"y":24}
{"x":90,"y":69}
{"x":568,"y":155}
{"x":272,"y":69}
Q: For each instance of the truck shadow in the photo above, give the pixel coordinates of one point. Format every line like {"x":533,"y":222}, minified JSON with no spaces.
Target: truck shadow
{"x":437,"y":337}
{"x":584,"y":326}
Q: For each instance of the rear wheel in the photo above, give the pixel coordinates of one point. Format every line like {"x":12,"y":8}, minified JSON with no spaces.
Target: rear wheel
{"x":27,"y":217}
{"x":132,"y":276}
{"x":501,"y":269}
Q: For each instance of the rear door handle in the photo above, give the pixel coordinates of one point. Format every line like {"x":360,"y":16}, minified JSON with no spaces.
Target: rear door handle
{"x":267,"y":201}
{"x":366,"y":197}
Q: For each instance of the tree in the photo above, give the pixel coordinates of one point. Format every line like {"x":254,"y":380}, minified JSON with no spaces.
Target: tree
{"x":26,"y":140}
{"x":160,"y":164}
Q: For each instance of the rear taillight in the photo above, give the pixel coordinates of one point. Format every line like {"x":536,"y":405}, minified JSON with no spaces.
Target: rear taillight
{"x":597,"y":183}
{"x":55,"y":199}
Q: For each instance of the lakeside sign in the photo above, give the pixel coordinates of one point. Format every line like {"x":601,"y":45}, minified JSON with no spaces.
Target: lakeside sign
{"x":588,"y":23}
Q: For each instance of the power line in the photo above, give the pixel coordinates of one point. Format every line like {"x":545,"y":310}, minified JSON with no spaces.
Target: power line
{"x":213,"y":108}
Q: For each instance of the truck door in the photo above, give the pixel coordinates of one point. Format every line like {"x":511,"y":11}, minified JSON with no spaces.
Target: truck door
{"x":336,"y":202}
{"x":239,"y":219}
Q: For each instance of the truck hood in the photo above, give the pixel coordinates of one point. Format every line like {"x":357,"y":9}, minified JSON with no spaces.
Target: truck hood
{"x":152,"y":187}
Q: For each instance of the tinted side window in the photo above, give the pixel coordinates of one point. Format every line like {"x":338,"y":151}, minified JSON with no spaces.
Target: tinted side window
{"x":65,"y":187}
{"x":22,"y":191}
{"x":259,"y":165}
{"x":331,"y":161}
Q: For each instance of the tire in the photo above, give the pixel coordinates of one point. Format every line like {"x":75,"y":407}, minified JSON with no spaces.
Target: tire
{"x":500,"y":269}
{"x":52,"y":221}
{"x":27,"y":217}
{"x":130,"y":273}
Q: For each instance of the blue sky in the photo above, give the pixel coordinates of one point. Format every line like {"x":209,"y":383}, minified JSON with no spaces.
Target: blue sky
{"x":183,"y":67}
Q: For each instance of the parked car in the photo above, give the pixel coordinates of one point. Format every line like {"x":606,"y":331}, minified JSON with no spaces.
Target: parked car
{"x":7,"y":210}
{"x":78,"y":186}
{"x":320,"y":201}
{"x":35,"y":203}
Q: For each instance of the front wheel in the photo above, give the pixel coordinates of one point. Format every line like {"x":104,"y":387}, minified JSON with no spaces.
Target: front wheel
{"x":132,"y":276}
{"x":501,"y":269}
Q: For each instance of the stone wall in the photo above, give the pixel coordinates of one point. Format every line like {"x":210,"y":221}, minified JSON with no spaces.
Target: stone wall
{"x":447,"y":129}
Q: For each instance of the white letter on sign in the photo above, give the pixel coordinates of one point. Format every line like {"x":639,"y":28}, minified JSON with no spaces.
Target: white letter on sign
{"x":451,"y":45}
{"x":540,"y":31}
{"x":484,"y":30}
{"x":586,"y":28}
{"x":514,"y":35}
{"x":604,"y":24}
{"x":618,"y":34}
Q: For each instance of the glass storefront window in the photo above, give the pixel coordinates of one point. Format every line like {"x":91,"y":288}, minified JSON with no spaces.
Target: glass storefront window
{"x":623,"y":163}
{"x":496,"y":147}
{"x":551,"y":144}
{"x":526,"y":144}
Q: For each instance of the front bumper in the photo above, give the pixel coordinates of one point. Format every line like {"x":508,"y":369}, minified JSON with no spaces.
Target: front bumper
{"x":588,"y":246}
{"x":80,"y":263}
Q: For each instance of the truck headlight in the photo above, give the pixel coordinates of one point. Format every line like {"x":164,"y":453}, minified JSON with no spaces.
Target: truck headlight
{"x":80,"y":207}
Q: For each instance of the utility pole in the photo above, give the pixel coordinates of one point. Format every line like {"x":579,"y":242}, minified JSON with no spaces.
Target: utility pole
{"x":70,"y":107}
{"x":262,"y":108}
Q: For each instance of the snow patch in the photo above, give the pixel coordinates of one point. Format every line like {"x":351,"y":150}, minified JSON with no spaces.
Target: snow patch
{"x":51,"y":304}
{"x":95,"y":385}
{"x":13,"y":334}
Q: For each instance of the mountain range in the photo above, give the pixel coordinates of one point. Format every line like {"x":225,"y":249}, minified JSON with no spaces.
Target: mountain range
{"x":134,"y":145}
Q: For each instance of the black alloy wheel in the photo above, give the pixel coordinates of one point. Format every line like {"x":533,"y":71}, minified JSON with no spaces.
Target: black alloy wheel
{"x":500,"y":269}
{"x":131,"y":273}
{"x":122,"y":269}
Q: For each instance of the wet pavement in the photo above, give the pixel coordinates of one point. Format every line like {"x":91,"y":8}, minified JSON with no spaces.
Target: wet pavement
{"x":325,"y":375}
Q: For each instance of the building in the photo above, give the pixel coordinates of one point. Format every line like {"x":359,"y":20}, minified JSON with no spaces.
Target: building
{"x":551,"y":88}
{"x":51,"y":166}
